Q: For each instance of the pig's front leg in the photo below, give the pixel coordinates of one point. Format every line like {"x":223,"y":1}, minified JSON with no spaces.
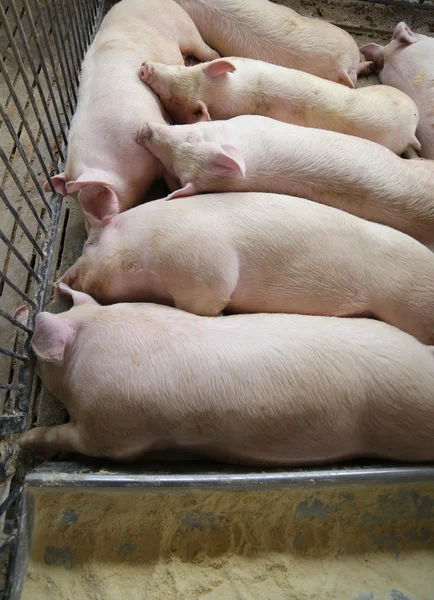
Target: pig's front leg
{"x":204,"y":305}
{"x":47,"y":442}
{"x":171,"y":181}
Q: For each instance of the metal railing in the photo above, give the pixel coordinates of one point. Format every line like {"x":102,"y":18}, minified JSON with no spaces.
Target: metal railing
{"x":42,"y":45}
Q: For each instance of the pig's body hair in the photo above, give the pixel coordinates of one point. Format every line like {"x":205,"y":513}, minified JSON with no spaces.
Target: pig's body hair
{"x":343,"y":171}
{"x":379,"y":113}
{"x":250,"y":252}
{"x":253,"y":389}
{"x":112,"y":100}
{"x":411,"y":69}
{"x":276,"y":34}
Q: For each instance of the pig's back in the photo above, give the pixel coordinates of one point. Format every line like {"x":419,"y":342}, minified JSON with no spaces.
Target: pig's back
{"x":273,"y":33}
{"x":267,"y":388}
{"x":113,"y":102}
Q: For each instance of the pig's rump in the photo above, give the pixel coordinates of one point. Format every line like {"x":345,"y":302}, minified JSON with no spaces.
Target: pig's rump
{"x":276,"y":34}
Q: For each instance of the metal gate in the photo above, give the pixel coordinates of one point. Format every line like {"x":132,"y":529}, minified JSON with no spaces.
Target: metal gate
{"x":42,"y":44}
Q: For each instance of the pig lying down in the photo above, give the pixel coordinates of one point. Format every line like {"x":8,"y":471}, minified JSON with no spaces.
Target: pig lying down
{"x":254,"y":153}
{"x":277,"y":34}
{"x":253,"y":389}
{"x":407,"y":63}
{"x":257,"y":253}
{"x":103,"y":158}
{"x":227,"y":88}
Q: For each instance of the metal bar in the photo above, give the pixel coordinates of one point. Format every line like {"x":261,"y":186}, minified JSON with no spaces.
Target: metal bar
{"x":16,"y":289}
{"x":25,"y":78}
{"x":24,"y":156}
{"x":73,"y":31}
{"x":86,"y":20}
{"x":36,"y":78}
{"x":12,"y":355}
{"x":60,"y":61}
{"x":14,"y":321}
{"x":68,"y":56}
{"x":12,"y":386}
{"x":80,"y":32}
{"x":10,"y":499}
{"x":18,"y":557}
{"x":46,"y":75}
{"x":20,"y":257}
{"x":20,"y":222}
{"x":22,"y":191}
{"x":23,"y":118}
{"x":63,"y":57}
{"x":82,"y":477}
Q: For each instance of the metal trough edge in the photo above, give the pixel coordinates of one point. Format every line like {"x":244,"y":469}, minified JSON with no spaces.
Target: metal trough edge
{"x":79,"y":477}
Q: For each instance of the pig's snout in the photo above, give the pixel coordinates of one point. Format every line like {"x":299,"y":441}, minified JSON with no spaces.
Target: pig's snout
{"x":145,"y":72}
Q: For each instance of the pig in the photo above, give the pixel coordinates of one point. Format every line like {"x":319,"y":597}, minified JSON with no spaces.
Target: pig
{"x":279,"y":35}
{"x":103,"y":159}
{"x":261,"y":389}
{"x":255,"y":153}
{"x":407,"y":63}
{"x":229,"y":87}
{"x":252,"y":252}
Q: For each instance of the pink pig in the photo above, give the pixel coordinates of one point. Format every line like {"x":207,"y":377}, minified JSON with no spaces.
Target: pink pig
{"x":255,"y":153}
{"x":247,"y":252}
{"x":407,"y":63}
{"x":226,"y":88}
{"x":277,"y":34}
{"x":255,"y":389}
{"x":103,"y":159}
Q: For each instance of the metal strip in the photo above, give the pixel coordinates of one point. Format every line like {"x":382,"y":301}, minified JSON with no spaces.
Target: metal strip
{"x":22,"y":191}
{"x":16,"y":289}
{"x":21,"y":223}
{"x":19,"y":256}
{"x":46,"y":75}
{"x":36,"y":78}
{"x":60,"y":62}
{"x":24,"y":156}
{"x":25,"y":78}
{"x":11,"y":319}
{"x":82,"y":477}
{"x":23,"y":117}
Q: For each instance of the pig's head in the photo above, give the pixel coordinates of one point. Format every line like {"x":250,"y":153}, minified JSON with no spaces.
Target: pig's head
{"x":54,"y":336}
{"x":402,"y":37}
{"x":185,"y":92}
{"x":98,"y":266}
{"x":198,"y":164}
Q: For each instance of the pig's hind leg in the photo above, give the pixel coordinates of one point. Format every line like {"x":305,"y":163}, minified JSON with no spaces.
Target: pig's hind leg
{"x":196,"y":48}
{"x":47,"y":442}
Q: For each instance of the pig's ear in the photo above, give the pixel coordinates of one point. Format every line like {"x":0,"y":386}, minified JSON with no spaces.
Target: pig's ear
{"x":219,"y":67}
{"x":188,"y":190}
{"x":22,"y":314}
{"x":51,"y":336}
{"x":99,"y":204}
{"x":59,"y":184}
{"x":403,"y":34}
{"x":231,"y":159}
{"x":78,"y":298}
{"x":96,"y":197}
{"x":199,"y":112}
{"x":373,"y":53}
